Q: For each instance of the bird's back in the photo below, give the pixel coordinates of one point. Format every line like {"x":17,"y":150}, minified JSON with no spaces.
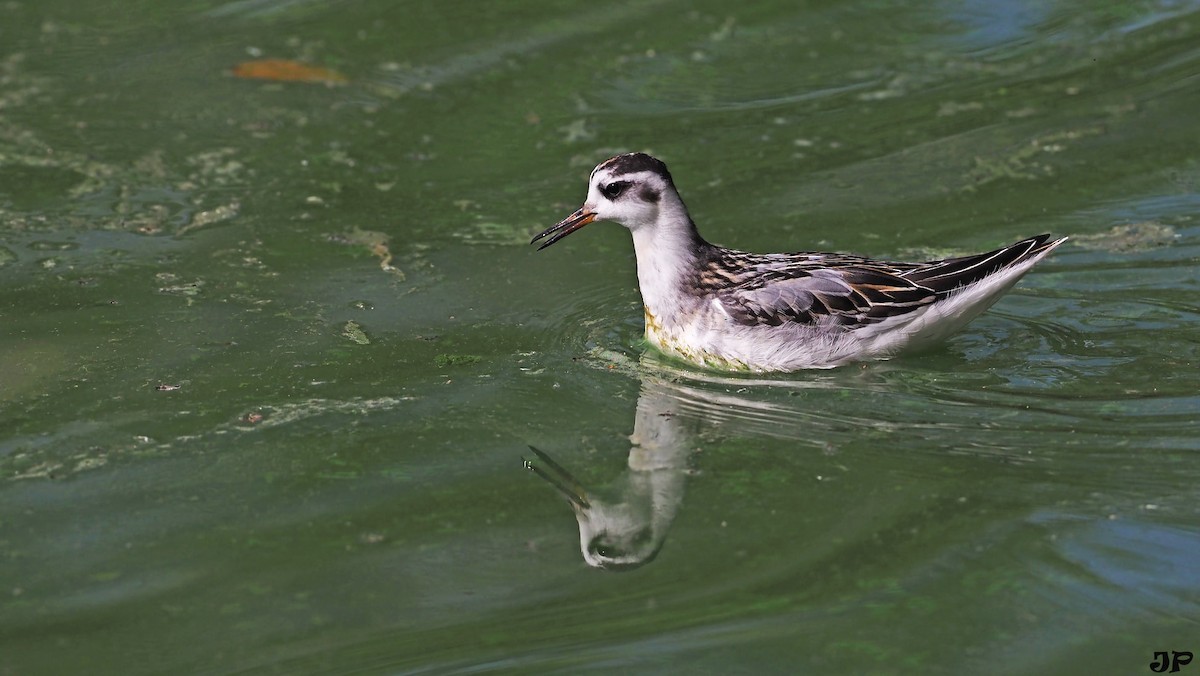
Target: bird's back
{"x":797,"y":310}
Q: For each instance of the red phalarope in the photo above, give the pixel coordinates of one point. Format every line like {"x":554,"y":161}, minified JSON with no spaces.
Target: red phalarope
{"x":730,"y":309}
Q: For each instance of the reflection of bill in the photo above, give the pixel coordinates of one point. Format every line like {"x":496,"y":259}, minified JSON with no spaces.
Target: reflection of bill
{"x":628,"y":529}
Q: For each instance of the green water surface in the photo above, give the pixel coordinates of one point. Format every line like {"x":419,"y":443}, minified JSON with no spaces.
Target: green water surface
{"x":272,"y":353}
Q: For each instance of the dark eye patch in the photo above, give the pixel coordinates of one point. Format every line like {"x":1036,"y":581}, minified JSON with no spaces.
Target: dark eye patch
{"x":613,"y":190}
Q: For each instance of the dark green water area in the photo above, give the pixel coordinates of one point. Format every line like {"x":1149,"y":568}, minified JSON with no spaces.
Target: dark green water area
{"x":273,"y":349}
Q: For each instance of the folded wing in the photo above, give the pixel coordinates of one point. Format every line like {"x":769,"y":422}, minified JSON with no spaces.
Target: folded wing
{"x":848,"y":291}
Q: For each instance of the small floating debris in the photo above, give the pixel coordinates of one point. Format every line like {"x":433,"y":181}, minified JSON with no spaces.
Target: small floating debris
{"x":353,"y":332}
{"x":286,"y":70}
{"x":375,"y":242}
{"x":163,"y":387}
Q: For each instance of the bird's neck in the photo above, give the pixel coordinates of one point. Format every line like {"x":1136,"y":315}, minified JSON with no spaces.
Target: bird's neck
{"x":668,"y":257}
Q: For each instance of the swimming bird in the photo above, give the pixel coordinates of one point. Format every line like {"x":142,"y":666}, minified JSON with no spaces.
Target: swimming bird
{"x":728,"y":309}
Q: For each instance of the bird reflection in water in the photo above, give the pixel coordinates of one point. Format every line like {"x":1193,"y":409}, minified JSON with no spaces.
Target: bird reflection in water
{"x":628,"y":529}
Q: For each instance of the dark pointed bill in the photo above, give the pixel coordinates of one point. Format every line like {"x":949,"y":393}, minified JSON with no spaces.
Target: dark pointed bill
{"x":560,"y":478}
{"x":566,"y":226}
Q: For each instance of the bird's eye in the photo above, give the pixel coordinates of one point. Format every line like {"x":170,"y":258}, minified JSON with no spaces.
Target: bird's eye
{"x":613,"y":190}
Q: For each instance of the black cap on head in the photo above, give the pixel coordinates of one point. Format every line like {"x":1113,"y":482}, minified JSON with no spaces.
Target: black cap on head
{"x":630,"y":163}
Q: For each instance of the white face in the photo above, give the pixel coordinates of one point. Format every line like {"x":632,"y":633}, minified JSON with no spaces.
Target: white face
{"x":634,"y":190}
{"x":633,"y":200}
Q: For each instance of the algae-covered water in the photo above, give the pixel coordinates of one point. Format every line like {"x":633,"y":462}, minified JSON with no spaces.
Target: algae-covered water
{"x":274,"y":347}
